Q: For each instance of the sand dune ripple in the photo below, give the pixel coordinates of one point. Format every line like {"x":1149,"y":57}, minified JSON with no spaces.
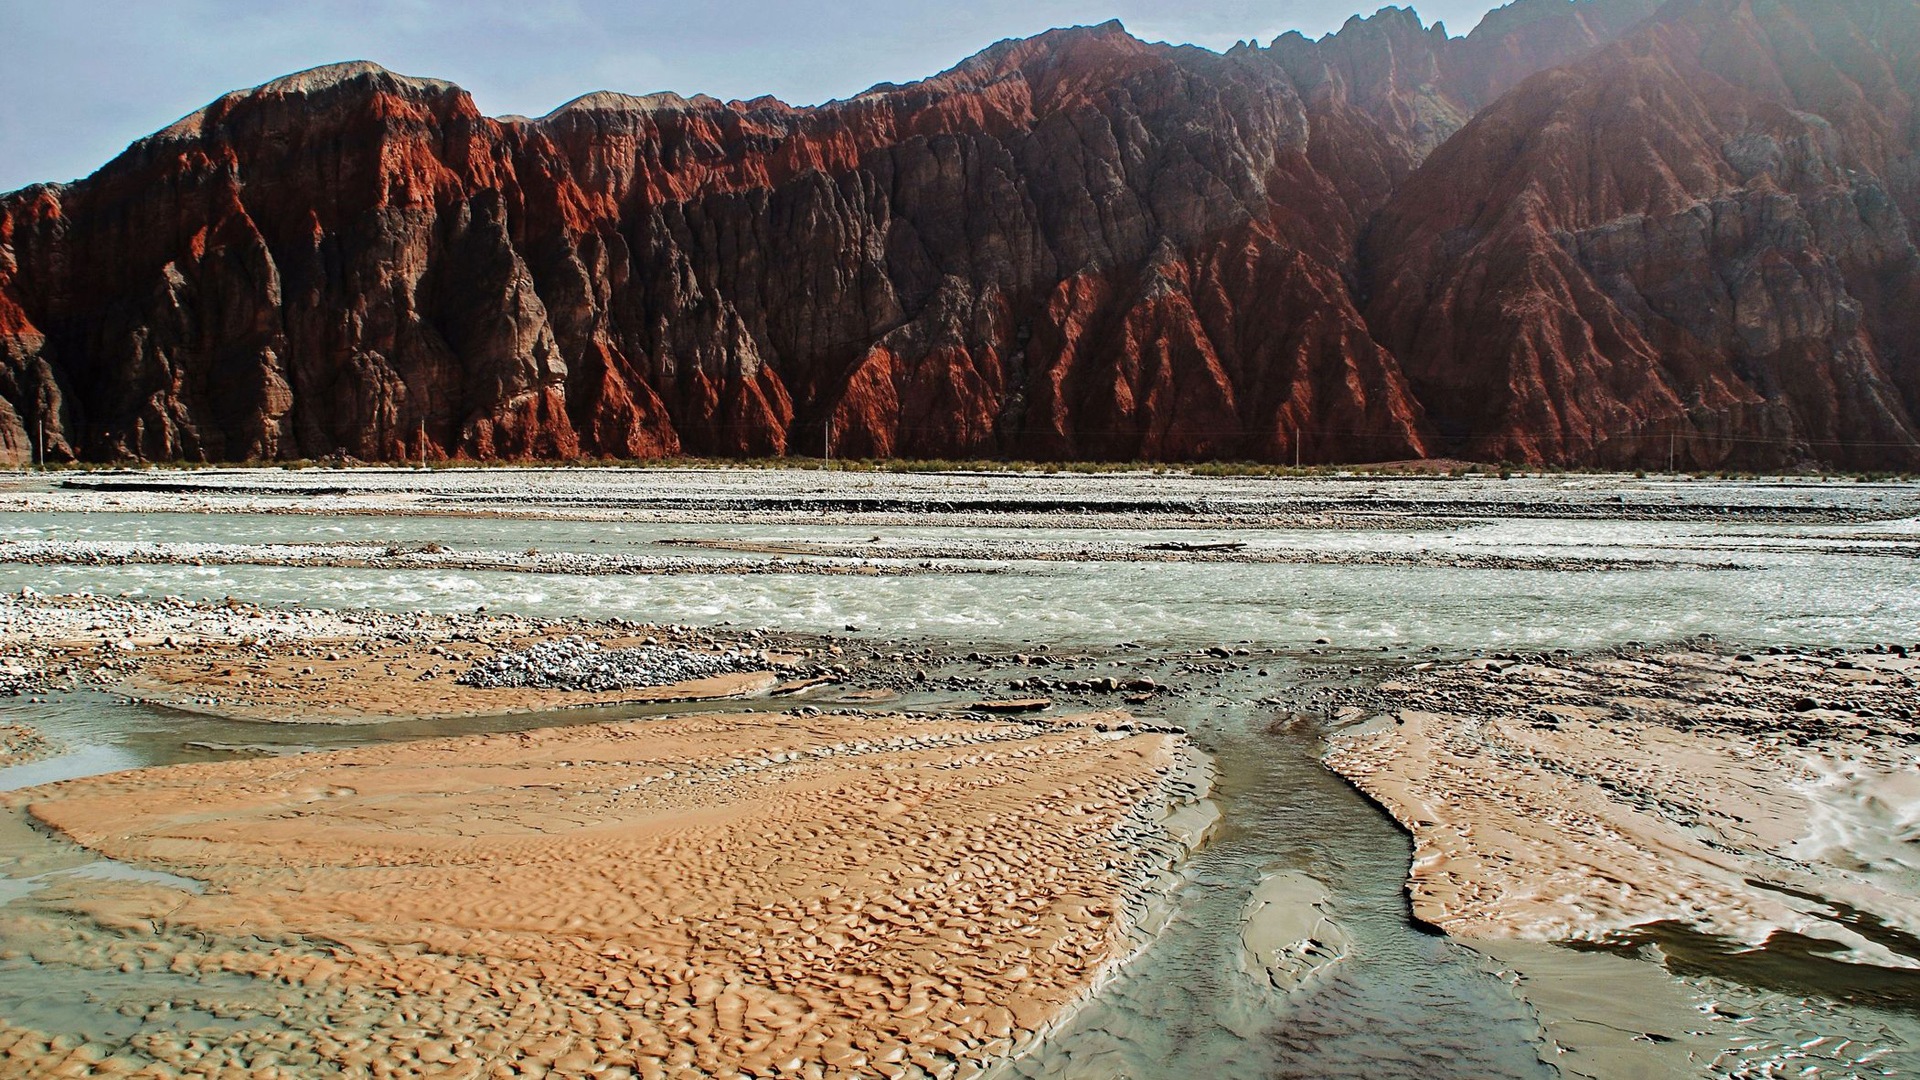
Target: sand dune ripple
{"x":717,"y":895}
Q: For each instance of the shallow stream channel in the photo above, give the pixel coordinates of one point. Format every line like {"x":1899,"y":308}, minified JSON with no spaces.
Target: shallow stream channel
{"x":1403,"y":1002}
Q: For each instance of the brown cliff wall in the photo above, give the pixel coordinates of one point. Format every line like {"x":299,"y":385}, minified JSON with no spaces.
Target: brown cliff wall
{"x":1699,"y":239}
{"x":1074,"y":246}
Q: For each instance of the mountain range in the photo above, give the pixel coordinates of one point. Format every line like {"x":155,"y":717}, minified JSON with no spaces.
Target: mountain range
{"x":1590,"y":233}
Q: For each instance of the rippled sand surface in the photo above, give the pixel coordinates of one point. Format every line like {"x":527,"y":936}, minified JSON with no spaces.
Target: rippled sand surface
{"x":718,"y":895}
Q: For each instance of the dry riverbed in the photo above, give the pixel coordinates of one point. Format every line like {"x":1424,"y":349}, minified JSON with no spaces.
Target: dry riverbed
{"x":364,"y":555}
{"x":311,"y":665}
{"x":307,"y":665}
{"x":1037,"y":499}
{"x":373,"y":680}
{"x":867,"y":558}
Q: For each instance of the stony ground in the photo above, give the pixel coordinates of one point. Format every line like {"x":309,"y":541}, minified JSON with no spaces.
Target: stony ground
{"x":299,"y":664}
{"x":1014,"y":499}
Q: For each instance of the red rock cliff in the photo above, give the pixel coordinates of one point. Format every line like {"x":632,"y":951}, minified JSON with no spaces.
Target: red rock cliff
{"x":1698,"y":240}
{"x":1073,"y":246}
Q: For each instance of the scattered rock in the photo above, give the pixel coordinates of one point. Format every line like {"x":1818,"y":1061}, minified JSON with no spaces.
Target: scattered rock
{"x":573,"y":663}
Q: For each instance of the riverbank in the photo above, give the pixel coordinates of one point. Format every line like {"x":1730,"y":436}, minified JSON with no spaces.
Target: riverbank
{"x":289,"y":664}
{"x":1041,"y":500}
{"x":308,"y":665}
{"x":1752,"y":796}
{"x":1252,"y":639}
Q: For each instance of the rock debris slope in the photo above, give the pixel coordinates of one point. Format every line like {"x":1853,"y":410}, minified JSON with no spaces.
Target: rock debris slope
{"x":1586,"y":232}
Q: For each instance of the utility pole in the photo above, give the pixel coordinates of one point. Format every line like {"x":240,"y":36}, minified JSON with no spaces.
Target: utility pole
{"x":40,"y":442}
{"x":423,"y":444}
{"x":1671,"y":436}
{"x":827,"y":442}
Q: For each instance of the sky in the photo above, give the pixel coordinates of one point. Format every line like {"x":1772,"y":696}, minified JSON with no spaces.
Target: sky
{"x":83,"y":78}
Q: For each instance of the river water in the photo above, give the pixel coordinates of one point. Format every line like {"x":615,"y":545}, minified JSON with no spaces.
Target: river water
{"x":1803,"y":584}
{"x":1406,"y":1002}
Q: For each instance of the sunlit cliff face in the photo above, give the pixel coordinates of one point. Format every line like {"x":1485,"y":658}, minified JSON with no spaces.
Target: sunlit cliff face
{"x":1691,"y":245}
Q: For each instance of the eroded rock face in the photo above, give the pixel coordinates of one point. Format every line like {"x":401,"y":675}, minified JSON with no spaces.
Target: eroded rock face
{"x":1696,"y":241}
{"x":1077,"y":245}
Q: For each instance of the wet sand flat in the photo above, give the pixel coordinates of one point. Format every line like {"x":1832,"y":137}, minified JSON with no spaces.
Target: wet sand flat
{"x":719,"y":895}
{"x":368,"y":680}
{"x":1743,"y":796}
{"x":308,"y":665}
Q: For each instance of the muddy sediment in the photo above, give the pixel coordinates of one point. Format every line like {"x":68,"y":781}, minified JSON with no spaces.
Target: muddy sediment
{"x":809,"y":892}
{"x":1745,"y":795}
{"x":726,"y":895}
{"x":1287,"y":934}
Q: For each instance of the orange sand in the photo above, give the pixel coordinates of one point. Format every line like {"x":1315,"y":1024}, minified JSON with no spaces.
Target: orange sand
{"x":345,"y":681}
{"x":719,"y":895}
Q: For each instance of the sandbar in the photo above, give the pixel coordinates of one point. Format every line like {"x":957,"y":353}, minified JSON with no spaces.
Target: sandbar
{"x":723,"y":895}
{"x":1738,"y":795}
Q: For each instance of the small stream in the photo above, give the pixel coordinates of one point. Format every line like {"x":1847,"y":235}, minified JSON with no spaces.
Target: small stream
{"x":1404,"y":1003}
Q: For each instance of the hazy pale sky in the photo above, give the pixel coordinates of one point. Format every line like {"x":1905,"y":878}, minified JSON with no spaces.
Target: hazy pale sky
{"x":83,"y":78}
